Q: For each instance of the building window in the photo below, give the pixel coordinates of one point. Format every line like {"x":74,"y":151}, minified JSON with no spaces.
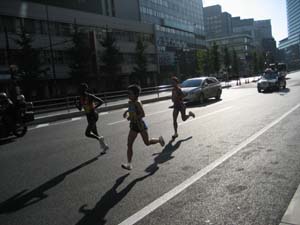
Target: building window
{"x":113,"y":9}
{"x":2,"y":57}
{"x":29,"y":26}
{"x":43,"y":28}
{"x":106,"y":7}
{"x":7,"y":22}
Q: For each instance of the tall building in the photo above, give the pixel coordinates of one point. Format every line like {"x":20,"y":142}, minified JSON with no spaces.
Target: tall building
{"x":33,"y":17}
{"x":101,"y":7}
{"x":217,"y":23}
{"x":242,"y":44}
{"x":290,"y":46}
{"x":179,"y":25}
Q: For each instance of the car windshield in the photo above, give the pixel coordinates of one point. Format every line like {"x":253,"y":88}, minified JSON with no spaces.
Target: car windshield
{"x":191,"y":83}
{"x":270,"y":76}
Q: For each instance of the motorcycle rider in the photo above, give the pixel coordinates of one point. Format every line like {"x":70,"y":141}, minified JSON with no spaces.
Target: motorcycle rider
{"x":7,"y":110}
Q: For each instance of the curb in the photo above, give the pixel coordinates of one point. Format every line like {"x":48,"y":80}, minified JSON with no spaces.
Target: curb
{"x":49,"y":119}
{"x":291,"y":216}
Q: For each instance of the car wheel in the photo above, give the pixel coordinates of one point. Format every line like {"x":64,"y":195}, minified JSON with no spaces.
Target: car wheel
{"x":20,"y":130}
{"x":201,"y":98}
{"x":218,"y":96}
{"x":259,"y":90}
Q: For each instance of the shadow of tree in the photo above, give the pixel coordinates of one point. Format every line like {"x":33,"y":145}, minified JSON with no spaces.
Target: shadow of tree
{"x":23,"y":199}
{"x":112,"y":197}
{"x":166,"y":153}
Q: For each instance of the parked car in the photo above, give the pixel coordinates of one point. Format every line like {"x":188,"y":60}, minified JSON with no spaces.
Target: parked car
{"x":200,"y":89}
{"x":271,"y":80}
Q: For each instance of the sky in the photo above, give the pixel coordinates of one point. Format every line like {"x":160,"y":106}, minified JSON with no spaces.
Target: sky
{"x":259,"y":10}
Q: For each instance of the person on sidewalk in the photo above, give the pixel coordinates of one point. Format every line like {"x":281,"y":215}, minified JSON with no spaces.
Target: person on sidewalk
{"x":135,"y":115}
{"x":90,"y":103}
{"x":178,"y":105}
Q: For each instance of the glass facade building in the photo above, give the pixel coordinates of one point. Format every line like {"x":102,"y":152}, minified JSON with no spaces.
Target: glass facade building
{"x":290,"y":47}
{"x":179,"y":25}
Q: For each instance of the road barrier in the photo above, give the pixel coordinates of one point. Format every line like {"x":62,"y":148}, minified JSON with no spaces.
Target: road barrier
{"x":68,"y":103}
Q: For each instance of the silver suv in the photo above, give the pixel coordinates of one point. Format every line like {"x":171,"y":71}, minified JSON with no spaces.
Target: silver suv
{"x":201,"y":88}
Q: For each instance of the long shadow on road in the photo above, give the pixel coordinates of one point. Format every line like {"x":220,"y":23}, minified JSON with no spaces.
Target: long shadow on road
{"x":112,"y":197}
{"x":23,"y":199}
{"x":166,"y":153}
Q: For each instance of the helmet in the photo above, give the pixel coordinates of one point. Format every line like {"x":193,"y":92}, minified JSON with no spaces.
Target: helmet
{"x":3,"y":96}
{"x":21,"y":97}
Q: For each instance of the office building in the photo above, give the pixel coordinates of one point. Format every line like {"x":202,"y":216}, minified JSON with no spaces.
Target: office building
{"x":242,"y":44}
{"x":290,"y":46}
{"x":61,"y":24}
{"x":179,"y":25}
{"x":217,"y":23}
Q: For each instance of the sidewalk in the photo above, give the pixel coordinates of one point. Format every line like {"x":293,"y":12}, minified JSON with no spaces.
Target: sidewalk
{"x":118,"y":104}
{"x":292,"y":214}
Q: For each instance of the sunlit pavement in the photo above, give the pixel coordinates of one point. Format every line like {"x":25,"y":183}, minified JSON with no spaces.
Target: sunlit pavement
{"x":237,"y":162}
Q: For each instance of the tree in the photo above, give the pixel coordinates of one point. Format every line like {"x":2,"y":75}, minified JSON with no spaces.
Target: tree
{"x":202,"y":58}
{"x":111,"y":57}
{"x":28,"y":58}
{"x":235,"y":64}
{"x":215,"y":58}
{"x":80,"y":56}
{"x":226,"y":59}
{"x":255,"y":65}
{"x":140,"y":70}
{"x":28,"y":63}
{"x":261,"y":63}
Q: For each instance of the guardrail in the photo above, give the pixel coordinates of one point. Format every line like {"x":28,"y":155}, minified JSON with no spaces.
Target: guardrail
{"x":68,"y":103}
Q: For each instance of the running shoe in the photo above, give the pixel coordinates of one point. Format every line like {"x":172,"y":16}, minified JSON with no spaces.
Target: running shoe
{"x":175,"y":136}
{"x":161,"y":141}
{"x":127,"y":166}
{"x":192,"y":114}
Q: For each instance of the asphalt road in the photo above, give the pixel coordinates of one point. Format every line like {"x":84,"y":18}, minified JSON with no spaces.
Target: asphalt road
{"x":237,"y":162}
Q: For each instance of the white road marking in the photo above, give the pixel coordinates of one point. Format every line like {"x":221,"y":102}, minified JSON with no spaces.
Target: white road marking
{"x":103,"y":113}
{"x":181,"y":187}
{"x":42,"y":125}
{"x":120,"y":121}
{"x":206,"y":115}
{"x":76,"y":118}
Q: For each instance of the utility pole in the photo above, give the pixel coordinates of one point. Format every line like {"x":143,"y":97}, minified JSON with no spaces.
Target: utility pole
{"x":51,"y":50}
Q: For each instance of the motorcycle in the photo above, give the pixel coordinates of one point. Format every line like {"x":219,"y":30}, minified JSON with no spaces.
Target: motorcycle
{"x":17,"y":124}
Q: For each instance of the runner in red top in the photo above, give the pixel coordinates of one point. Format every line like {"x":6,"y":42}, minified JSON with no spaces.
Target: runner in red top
{"x":179,"y":106}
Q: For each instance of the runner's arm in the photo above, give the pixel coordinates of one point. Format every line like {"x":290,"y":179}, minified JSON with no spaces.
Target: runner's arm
{"x":98,"y":100}
{"x":125,"y":114}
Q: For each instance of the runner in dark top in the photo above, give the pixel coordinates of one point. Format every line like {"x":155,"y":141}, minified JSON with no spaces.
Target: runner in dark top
{"x":177,"y":98}
{"x":89,"y":103}
{"x":135,"y":115}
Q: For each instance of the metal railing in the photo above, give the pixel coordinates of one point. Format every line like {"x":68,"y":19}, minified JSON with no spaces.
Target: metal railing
{"x":69,"y":103}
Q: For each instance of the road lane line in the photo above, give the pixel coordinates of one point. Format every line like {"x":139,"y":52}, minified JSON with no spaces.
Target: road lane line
{"x":76,"y":118}
{"x":42,"y":125}
{"x":184,"y":185}
{"x":120,"y":121}
{"x":205,"y":115}
{"x":170,"y":110}
{"x":151,"y":114}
